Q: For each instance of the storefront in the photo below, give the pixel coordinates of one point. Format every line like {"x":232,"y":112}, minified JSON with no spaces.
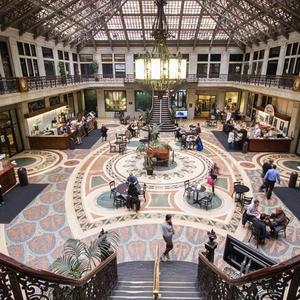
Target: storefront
{"x":10,"y":138}
{"x":231,"y":100}
{"x":205,"y":105}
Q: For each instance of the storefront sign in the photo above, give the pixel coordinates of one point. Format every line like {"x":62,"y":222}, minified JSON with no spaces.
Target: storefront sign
{"x":269,"y":109}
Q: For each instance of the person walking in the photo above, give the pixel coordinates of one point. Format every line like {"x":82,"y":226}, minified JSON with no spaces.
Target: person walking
{"x":103,"y":131}
{"x":265,"y":168}
{"x":270,"y":178}
{"x":167,"y":232}
{"x":85,"y":126}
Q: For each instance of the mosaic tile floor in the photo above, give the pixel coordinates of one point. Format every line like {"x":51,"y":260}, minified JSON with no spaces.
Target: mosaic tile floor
{"x":77,"y":203}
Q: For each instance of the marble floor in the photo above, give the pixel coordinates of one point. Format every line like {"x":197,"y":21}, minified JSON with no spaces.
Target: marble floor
{"x":76,"y":202}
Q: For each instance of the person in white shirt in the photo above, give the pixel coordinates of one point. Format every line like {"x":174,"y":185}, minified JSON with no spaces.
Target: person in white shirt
{"x":257,"y":132}
{"x":230,"y":139}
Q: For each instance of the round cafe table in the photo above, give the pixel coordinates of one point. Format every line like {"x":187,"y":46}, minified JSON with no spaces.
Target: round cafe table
{"x":240,"y":189}
{"x":122,"y":188}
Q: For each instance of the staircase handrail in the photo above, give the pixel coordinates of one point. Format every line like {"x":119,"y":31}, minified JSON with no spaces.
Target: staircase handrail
{"x":18,"y":276}
{"x":210,"y":276}
{"x":156,"y":274}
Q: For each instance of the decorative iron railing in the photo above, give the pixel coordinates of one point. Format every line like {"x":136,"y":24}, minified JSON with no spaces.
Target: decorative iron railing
{"x":11,"y":85}
{"x":20,"y":282}
{"x":281,"y":281}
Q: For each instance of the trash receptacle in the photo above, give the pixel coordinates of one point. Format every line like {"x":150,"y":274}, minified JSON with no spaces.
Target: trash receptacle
{"x":71,"y":144}
{"x":245,"y":147}
{"x":23,"y":178}
{"x":293,"y":180}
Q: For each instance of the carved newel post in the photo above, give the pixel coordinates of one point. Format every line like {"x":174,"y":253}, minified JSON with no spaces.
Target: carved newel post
{"x":210,"y":246}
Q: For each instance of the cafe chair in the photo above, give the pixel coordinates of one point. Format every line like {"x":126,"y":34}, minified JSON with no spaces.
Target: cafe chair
{"x":112,"y":186}
{"x":187,"y":188}
{"x":254,"y":233}
{"x":119,"y":200}
{"x":143,"y":191}
{"x":112,"y":147}
{"x":246,"y":201}
{"x":122,"y":147}
{"x":234,"y":184}
{"x":207,"y":200}
{"x":282,"y":229}
{"x":118,"y":138}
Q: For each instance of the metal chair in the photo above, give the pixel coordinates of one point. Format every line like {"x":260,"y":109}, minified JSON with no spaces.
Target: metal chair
{"x":112,"y":147}
{"x":119,"y":200}
{"x":282,"y":229}
{"x":112,"y":186}
{"x":187,"y":188}
{"x":245,"y":201}
{"x":234,"y":184}
{"x":207,"y":200}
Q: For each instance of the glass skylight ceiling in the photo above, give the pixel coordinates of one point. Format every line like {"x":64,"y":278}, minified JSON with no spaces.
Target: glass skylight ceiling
{"x":79,"y":22}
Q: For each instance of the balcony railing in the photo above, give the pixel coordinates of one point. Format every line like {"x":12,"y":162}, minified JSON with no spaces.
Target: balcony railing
{"x":11,"y":85}
{"x":20,"y":282}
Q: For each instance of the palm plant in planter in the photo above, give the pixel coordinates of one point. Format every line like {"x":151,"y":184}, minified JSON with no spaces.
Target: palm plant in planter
{"x":79,"y":258}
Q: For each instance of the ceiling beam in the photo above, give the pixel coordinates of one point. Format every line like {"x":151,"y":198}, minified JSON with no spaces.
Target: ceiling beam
{"x":105,"y":9}
{"x":5,"y":8}
{"x":197,"y":29}
{"x":180,"y":23}
{"x":291,"y":11}
{"x":269,"y":12}
{"x":96,"y":28}
{"x":143,"y":23}
{"x":94,"y":21}
{"x":48,"y":17}
{"x":124,"y":27}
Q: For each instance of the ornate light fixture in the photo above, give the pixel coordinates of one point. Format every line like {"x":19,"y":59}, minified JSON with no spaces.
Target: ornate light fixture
{"x":160,"y":69}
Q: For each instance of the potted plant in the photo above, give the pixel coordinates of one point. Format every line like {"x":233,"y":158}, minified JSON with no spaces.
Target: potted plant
{"x":79,"y":258}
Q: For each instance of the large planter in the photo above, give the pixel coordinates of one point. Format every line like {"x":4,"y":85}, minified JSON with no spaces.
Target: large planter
{"x":158,"y":152}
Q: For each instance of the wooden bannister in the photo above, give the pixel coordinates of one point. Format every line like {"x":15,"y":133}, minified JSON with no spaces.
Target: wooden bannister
{"x":156,"y":274}
{"x":269,"y":281}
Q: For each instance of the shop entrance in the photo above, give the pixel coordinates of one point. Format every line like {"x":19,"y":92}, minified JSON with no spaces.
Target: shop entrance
{"x":205,"y":105}
{"x":10,"y":138}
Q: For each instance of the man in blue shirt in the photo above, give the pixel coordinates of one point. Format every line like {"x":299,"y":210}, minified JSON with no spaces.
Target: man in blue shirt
{"x":132,"y":179}
{"x":270,"y":179}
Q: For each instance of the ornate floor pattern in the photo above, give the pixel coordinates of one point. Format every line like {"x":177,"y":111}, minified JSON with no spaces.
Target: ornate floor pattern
{"x":77,"y":201}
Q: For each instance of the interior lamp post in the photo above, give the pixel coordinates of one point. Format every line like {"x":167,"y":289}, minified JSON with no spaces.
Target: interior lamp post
{"x":160,"y":69}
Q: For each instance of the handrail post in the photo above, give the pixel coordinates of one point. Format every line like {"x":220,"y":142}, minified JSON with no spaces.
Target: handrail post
{"x":211,"y":246}
{"x":156,"y":272}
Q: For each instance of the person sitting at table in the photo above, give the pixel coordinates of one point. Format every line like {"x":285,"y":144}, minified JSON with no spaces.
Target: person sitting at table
{"x":198,"y":143}
{"x":133,"y":197}
{"x":198,"y":129}
{"x":278,"y":221}
{"x":183,"y":141}
{"x":260,"y":228}
{"x":132,"y":179}
{"x":131,"y":129}
{"x":230,"y":139}
{"x":251,"y":212}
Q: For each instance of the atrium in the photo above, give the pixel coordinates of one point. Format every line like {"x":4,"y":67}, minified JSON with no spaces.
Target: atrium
{"x":117,"y":113}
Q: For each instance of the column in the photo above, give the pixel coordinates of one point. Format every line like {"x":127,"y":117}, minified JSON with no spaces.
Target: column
{"x":265,"y":62}
{"x":76,"y":109}
{"x":100,"y":103}
{"x":1,"y":68}
{"x":281,"y":60}
{"x":15,"y":63}
{"x":193,"y":58}
{"x":251,"y":61}
{"x":40,"y":60}
{"x":191,"y":97}
{"x":55,"y":56}
{"x":129,"y":62}
{"x":220,"y":100}
{"x":97,"y":59}
{"x":224,"y":63}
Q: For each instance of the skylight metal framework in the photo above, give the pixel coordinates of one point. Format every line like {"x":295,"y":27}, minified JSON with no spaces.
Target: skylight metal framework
{"x":129,"y":22}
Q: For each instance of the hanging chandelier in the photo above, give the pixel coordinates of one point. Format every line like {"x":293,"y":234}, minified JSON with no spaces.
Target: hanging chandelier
{"x":160,"y":69}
